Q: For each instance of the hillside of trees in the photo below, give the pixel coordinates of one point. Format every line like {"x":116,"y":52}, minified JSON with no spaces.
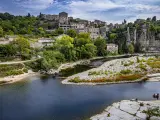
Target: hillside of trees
{"x":71,"y":47}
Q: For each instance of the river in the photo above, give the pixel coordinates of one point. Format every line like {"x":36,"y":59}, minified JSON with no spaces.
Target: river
{"x":45,"y":98}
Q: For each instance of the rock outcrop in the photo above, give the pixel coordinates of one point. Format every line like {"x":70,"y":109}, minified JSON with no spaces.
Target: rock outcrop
{"x":128,"y":110}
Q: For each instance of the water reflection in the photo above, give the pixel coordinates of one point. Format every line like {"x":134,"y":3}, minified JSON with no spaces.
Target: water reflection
{"x":40,"y":98}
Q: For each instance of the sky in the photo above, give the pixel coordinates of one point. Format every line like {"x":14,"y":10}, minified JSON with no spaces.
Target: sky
{"x":114,"y":11}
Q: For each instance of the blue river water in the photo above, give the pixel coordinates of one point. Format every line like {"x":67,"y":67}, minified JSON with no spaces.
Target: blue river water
{"x":38,"y":98}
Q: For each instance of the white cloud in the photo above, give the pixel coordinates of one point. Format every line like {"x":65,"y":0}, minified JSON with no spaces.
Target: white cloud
{"x":107,"y":10}
{"x":102,"y":9}
{"x":35,"y":5}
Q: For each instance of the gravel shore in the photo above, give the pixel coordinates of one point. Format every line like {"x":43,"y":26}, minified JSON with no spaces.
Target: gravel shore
{"x":112,"y":68}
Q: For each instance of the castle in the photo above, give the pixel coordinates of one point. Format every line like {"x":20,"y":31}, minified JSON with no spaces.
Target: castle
{"x":95,"y":28}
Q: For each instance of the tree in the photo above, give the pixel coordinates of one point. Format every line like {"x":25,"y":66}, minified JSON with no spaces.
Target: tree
{"x":131,"y":49}
{"x":23,"y":47}
{"x":51,"y":59}
{"x":7,"y":50}
{"x":72,"y":33}
{"x":89,"y":50}
{"x":41,"y":31}
{"x":100,"y":43}
{"x":1,"y":31}
{"x":84,"y":35}
{"x":112,"y":37}
{"x":60,"y":31}
{"x":65,"y":46}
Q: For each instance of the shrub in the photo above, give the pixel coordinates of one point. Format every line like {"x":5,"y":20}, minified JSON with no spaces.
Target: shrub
{"x":154,"y":63}
{"x":25,"y":70}
{"x":75,"y":80}
{"x":106,"y":72}
{"x":152,"y":112}
{"x":13,"y":69}
{"x":129,"y":63}
{"x":14,"y":72}
{"x":111,"y":79}
{"x":138,"y":60}
{"x":128,"y":77}
{"x":94,"y":73}
{"x":142,"y":66}
{"x":141,"y":104}
{"x":126,"y":71}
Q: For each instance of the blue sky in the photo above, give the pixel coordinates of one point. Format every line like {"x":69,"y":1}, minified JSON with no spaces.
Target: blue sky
{"x":108,"y":10}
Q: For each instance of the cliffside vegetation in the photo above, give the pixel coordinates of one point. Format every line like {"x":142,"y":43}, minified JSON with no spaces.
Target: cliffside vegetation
{"x":67,"y":48}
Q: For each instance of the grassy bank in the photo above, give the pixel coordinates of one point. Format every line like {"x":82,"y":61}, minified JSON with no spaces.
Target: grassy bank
{"x":13,"y":69}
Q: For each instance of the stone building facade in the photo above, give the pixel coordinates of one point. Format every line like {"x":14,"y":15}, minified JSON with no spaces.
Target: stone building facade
{"x":94,"y":32}
{"x":112,"y":48}
{"x":78,"y":24}
{"x":63,"y":18}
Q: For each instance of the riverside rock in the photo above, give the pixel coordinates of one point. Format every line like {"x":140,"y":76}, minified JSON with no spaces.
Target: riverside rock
{"x":127,"y":110}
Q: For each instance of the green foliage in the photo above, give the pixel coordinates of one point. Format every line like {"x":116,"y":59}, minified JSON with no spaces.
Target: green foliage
{"x":13,"y":72}
{"x":88,"y":51}
{"x":72,"y":33}
{"x":129,"y":63}
{"x":75,"y":80}
{"x":8,"y":70}
{"x":94,"y":73}
{"x":142,"y":66}
{"x":154,"y":63}
{"x":83,"y":35}
{"x":1,"y":31}
{"x":18,"y":24}
{"x":60,"y":31}
{"x":113,"y":36}
{"x":129,"y":77}
{"x":51,"y":59}
{"x":22,"y":46}
{"x":7,"y":50}
{"x":25,"y":70}
{"x":125,"y":72}
{"x":138,"y":60}
{"x":131,"y":49}
{"x":34,"y":65}
{"x":100,"y":43}
{"x":152,"y":112}
{"x":65,"y":46}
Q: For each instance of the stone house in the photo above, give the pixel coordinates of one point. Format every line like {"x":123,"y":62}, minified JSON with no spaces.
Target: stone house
{"x":112,"y":48}
{"x":65,"y":27}
{"x":94,"y":32}
{"x":77,"y":25}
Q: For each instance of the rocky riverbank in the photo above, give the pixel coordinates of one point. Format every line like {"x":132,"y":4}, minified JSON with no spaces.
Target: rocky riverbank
{"x":129,"y":110}
{"x":122,"y":70}
{"x":86,"y":62}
